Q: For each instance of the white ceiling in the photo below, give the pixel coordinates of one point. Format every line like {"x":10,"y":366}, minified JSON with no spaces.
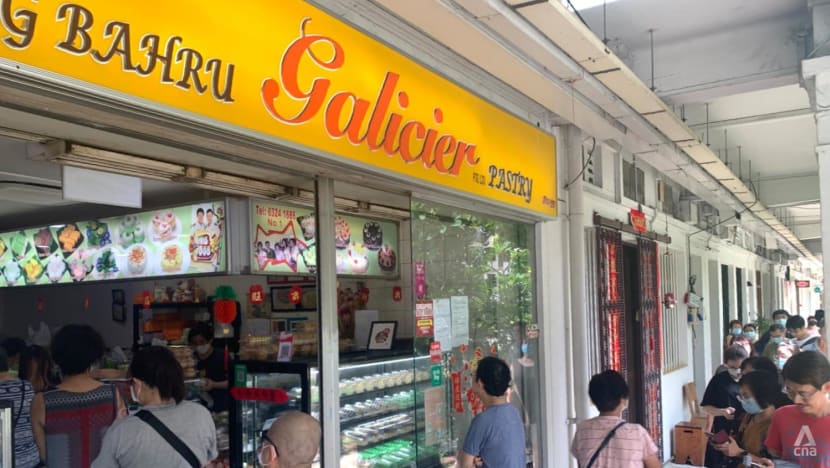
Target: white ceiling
{"x":675,"y":20}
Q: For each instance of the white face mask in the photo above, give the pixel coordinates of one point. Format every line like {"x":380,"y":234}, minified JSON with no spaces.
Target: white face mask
{"x":734,"y":373}
{"x":203,"y":349}
{"x":134,"y":394}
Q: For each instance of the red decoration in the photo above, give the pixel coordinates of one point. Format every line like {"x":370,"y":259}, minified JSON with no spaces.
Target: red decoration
{"x":256,"y":294}
{"x":295,"y":295}
{"x":224,"y":310}
{"x":147,"y":299}
{"x":276,"y":395}
{"x":457,"y":402}
{"x":364,"y":295}
{"x":397,"y":294}
{"x":86,"y":302}
{"x":41,"y":304}
{"x":638,"y":220}
{"x":435,"y":351}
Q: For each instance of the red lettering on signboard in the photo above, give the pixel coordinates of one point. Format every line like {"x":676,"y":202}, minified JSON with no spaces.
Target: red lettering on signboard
{"x":276,"y":395}
{"x":457,"y":402}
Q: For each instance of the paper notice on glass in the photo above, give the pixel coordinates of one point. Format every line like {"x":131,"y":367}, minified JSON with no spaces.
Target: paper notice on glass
{"x":443,"y":323}
{"x":460,"y":306}
{"x":435,"y":417}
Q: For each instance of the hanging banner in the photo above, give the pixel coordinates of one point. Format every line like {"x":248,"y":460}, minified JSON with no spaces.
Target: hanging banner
{"x":285,"y":237}
{"x":288,"y":70}
{"x":638,"y":220}
{"x":172,"y":241}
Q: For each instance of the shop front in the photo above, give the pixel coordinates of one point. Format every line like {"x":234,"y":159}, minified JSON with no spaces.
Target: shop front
{"x":373,"y":224}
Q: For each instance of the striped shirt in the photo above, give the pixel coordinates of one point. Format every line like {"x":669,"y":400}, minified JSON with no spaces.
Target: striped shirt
{"x":629,"y":447}
{"x":20,"y":394}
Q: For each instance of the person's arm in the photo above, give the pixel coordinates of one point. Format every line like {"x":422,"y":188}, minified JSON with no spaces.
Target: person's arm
{"x":772,"y":442}
{"x":465,"y":460}
{"x":38,"y":411}
{"x":728,"y":413}
{"x":652,"y":462}
{"x":214,"y":385}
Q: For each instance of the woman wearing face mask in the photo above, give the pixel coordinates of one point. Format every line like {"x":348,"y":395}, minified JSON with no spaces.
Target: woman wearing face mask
{"x":157,"y":382}
{"x":735,"y":329}
{"x":758,"y":397}
{"x":751,"y":333}
{"x":211,"y":366}
{"x":783,"y":353}
{"x":801,"y":433}
{"x":721,"y":399}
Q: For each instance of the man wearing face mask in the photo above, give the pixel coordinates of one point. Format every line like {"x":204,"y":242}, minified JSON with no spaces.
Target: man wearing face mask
{"x":776,"y":335}
{"x":779,"y":317}
{"x":211,"y":366}
{"x":721,"y":399}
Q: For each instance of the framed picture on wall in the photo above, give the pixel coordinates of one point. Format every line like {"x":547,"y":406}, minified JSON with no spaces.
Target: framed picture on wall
{"x":292,"y":323}
{"x":382,"y":335}
{"x":280,"y":301}
{"x":119,"y":312}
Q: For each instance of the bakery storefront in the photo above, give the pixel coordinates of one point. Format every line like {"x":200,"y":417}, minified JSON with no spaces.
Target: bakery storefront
{"x":375,"y":224}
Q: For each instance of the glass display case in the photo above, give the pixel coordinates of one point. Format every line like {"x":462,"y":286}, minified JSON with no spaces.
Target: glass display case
{"x":381,"y":412}
{"x":6,"y":436}
{"x":261,"y":391}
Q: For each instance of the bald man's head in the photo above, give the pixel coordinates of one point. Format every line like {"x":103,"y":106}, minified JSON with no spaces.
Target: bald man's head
{"x":296,"y":436}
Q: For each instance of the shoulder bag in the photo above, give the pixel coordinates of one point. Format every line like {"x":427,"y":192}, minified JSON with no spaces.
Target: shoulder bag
{"x":604,"y":443}
{"x":171,"y":438}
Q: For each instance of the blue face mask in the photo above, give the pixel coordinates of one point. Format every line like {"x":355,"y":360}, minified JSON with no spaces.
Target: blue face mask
{"x":780,"y":363}
{"x":782,"y":322}
{"x":777,"y":339}
{"x":752,"y":335}
{"x":751,"y":406}
{"x":737,"y":331}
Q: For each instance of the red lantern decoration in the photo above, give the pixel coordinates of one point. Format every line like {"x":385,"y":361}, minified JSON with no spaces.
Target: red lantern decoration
{"x":224,"y":304}
{"x":41,"y":304}
{"x":256,"y":295}
{"x":397,"y":294}
{"x":295,"y":295}
{"x":86,"y":302}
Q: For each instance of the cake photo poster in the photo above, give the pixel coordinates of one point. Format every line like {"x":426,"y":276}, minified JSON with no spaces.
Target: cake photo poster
{"x":284,"y":241}
{"x":172,"y":241}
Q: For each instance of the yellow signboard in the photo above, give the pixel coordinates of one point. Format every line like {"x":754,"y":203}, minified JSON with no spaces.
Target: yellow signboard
{"x":289,"y":70}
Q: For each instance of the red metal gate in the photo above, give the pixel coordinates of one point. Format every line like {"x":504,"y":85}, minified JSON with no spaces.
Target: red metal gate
{"x":651,"y":321}
{"x":611,"y":303}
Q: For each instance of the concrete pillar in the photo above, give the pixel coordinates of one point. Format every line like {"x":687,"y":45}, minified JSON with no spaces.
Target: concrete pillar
{"x":816,"y":75}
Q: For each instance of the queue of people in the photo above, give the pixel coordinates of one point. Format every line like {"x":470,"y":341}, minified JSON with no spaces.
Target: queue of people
{"x":68,"y":418}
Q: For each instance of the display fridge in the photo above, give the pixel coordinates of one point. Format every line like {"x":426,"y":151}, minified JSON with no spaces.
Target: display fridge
{"x":260,"y":392}
{"x":6,"y":435}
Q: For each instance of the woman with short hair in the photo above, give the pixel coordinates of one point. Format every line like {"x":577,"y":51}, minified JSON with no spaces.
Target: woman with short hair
{"x":607,"y":441}
{"x":20,"y":394}
{"x":70,"y":420}
{"x":166,"y":420}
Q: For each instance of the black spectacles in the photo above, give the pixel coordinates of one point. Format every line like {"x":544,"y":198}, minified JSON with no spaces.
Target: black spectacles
{"x":268,"y":439}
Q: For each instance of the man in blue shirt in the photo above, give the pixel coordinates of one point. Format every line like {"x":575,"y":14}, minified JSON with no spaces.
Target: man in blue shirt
{"x":496,"y":437}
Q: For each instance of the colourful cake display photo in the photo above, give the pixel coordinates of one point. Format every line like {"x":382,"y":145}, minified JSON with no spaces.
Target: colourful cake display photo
{"x":79,"y":264}
{"x":32,"y":270}
{"x":358,"y":260}
{"x":171,"y":258}
{"x":130,"y":231}
{"x":55,"y":268}
{"x":97,"y":234}
{"x":3,"y":248}
{"x":164,"y":225}
{"x":137,"y":258}
{"x":20,"y":245}
{"x":387,"y":260}
{"x":44,"y":243}
{"x":69,"y":238}
{"x":12,"y":272}
{"x":342,"y":233}
{"x":372,"y":235}
{"x":106,"y":264}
